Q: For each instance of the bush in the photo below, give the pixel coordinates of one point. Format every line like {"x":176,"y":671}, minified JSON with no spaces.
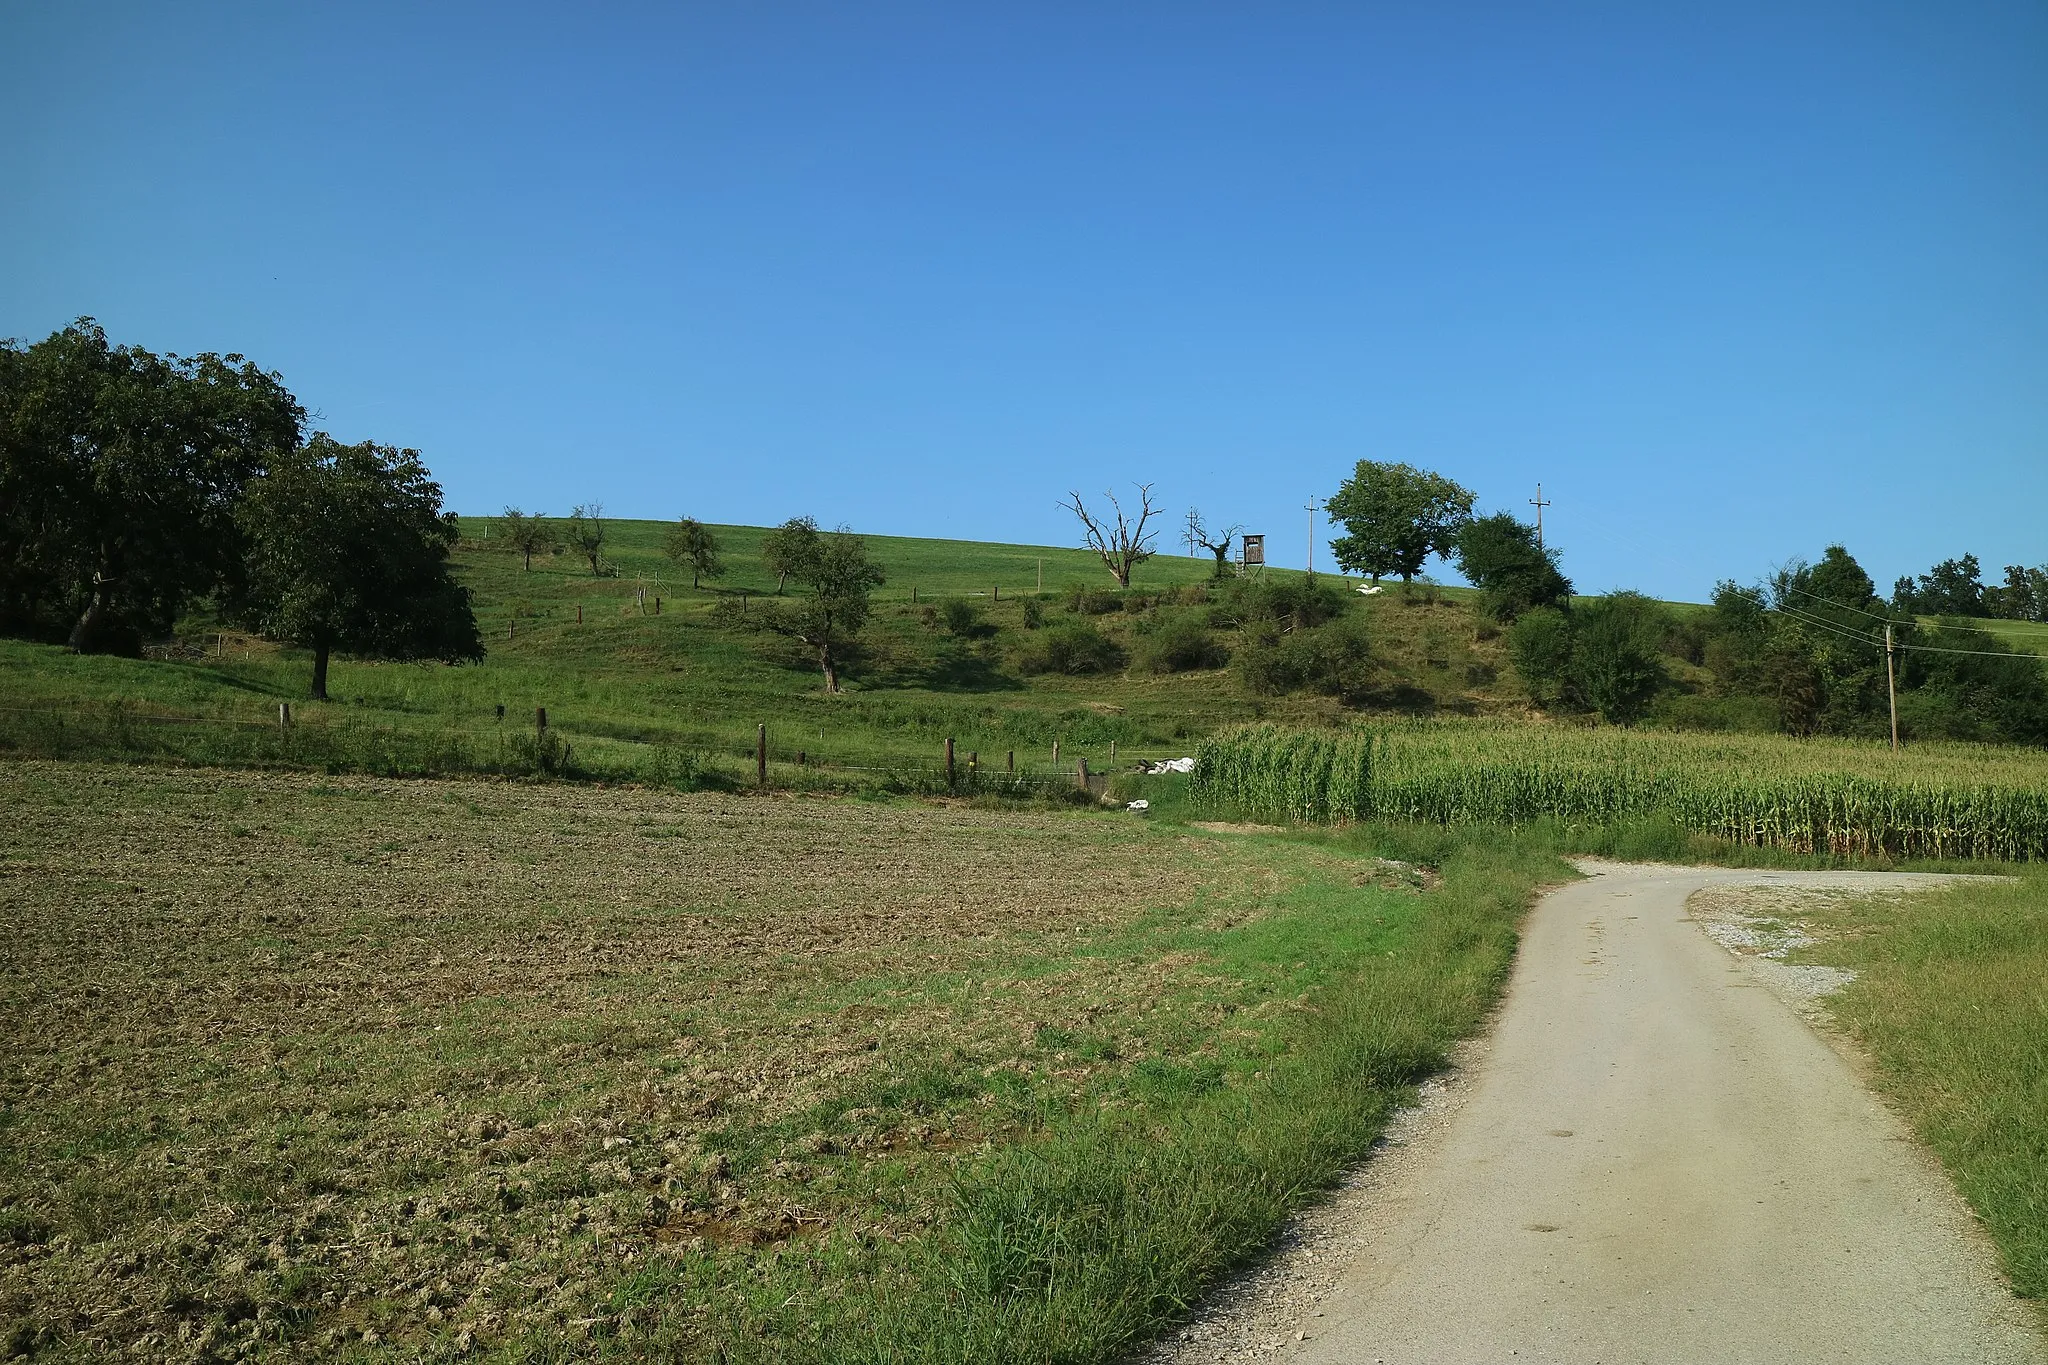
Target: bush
{"x":1295,"y":602}
{"x":1091,"y":601}
{"x":960,"y":615}
{"x":1501,"y":556}
{"x":1178,"y":645}
{"x":1335,"y":660}
{"x":1540,"y":643}
{"x":1074,"y":648}
{"x":1034,"y":613}
{"x":1615,"y":665}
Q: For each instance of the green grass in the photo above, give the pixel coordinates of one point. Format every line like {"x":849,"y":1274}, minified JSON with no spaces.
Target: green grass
{"x":640,"y":695}
{"x":1951,"y":1004}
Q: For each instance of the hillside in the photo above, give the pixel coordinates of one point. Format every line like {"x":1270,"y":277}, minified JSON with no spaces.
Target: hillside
{"x":661,"y":671}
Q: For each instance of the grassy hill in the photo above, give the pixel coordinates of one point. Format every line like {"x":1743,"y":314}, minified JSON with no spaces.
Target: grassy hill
{"x":636,"y":672}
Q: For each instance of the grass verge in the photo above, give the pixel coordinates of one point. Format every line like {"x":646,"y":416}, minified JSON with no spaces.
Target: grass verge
{"x":1950,"y":1003}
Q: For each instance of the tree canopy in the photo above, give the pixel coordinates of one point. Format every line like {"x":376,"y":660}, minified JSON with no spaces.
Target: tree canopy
{"x":1395,"y":517}
{"x":835,"y":569}
{"x":348,"y":550}
{"x":119,"y":474}
{"x":690,"y":542}
{"x":528,"y":535}
{"x":1501,"y":556}
{"x":793,"y":543}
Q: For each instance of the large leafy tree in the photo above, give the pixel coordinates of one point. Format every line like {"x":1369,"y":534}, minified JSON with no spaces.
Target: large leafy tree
{"x":1395,"y":517}
{"x":1502,"y":557}
{"x":1950,"y":588}
{"x":119,"y":474}
{"x":839,"y":578}
{"x":348,"y":550}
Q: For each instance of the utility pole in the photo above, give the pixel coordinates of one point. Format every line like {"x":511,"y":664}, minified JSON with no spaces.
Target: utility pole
{"x":1891,"y":683}
{"x":1539,"y":504}
{"x":1310,"y":508}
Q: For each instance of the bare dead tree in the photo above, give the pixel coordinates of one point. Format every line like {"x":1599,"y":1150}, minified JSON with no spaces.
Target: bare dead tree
{"x":1220,"y":545}
{"x":1124,"y":544}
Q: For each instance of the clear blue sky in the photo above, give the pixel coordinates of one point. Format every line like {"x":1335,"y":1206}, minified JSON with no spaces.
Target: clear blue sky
{"x":1732,"y":281}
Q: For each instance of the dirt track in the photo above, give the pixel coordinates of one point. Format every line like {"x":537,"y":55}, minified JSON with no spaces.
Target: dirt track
{"x":1653,"y":1159}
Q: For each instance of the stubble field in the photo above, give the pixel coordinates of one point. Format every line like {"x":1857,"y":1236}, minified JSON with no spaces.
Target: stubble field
{"x":298,"y":1067}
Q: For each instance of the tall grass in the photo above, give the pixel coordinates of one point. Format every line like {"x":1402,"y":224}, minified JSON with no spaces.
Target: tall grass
{"x":1811,"y":797}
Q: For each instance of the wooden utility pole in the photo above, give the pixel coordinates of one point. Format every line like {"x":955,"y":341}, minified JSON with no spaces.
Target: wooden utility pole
{"x":1891,"y":683}
{"x":1539,"y":504}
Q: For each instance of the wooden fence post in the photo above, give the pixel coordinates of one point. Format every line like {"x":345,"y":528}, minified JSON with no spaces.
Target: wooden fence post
{"x":949,"y":763}
{"x":579,"y":613}
{"x":1081,"y":772}
{"x":1055,"y":753}
{"x":540,"y":720}
{"x":284,"y":715}
{"x":761,"y":757}
{"x":1010,"y":763}
{"x":1112,"y":751}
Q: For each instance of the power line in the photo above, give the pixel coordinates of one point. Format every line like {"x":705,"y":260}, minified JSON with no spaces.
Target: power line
{"x":1909,"y":621}
{"x":1876,"y":643}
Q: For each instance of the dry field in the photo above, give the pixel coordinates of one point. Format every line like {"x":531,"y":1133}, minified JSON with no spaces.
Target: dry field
{"x":295,"y":1066}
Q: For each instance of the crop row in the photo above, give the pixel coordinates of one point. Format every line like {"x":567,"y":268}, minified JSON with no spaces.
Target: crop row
{"x":1754,"y":793}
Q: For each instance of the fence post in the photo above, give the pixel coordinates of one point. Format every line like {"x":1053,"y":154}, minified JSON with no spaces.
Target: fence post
{"x":1055,"y":753}
{"x":761,"y":757}
{"x":512,"y":629}
{"x":540,"y":722}
{"x":284,"y":715}
{"x":998,"y":594}
{"x":913,"y":594}
{"x":974,"y":762}
{"x":1112,"y":751}
{"x":1010,"y":763}
{"x":949,"y":763}
{"x":579,"y":613}
{"x":1081,"y":772}
{"x":657,"y":606}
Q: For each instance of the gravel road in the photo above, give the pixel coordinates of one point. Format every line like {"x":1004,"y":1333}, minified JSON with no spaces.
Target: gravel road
{"x":1653,"y":1158}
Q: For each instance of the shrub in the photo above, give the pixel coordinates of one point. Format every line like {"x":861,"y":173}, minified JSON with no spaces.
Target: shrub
{"x":1091,"y":601}
{"x":1540,"y":643}
{"x":1334,"y":660}
{"x":1077,"y":647}
{"x":1034,"y":613}
{"x":1296,"y":602}
{"x":960,"y":615}
{"x":1178,"y":645}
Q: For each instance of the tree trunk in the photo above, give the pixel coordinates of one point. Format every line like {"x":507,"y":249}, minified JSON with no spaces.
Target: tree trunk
{"x":1121,"y":575}
{"x":320,"y":652}
{"x":695,"y":574}
{"x":830,"y":666}
{"x":780,"y":579}
{"x":529,"y":560}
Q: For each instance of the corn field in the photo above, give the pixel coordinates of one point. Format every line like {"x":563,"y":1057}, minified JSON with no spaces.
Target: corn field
{"x":1829,"y":796}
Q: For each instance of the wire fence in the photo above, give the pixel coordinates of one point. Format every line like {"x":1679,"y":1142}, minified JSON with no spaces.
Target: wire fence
{"x":351,"y":742}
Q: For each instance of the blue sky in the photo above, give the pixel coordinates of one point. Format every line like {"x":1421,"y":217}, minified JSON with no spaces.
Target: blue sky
{"x":1730,"y":281}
